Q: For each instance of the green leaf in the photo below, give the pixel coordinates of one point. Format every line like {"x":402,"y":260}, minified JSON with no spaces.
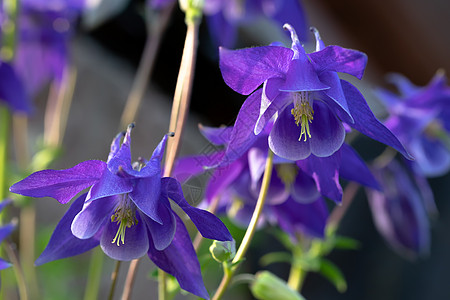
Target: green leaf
{"x":330,"y":271}
{"x":346,"y":243}
{"x":275,"y":257}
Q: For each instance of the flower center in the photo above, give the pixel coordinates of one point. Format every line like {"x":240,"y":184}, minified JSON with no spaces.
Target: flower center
{"x":125,"y":216}
{"x":303,"y":113}
{"x":287,"y":173}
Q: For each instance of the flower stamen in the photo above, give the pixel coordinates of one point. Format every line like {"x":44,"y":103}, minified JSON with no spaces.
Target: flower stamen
{"x":303,"y":113}
{"x":125,"y":216}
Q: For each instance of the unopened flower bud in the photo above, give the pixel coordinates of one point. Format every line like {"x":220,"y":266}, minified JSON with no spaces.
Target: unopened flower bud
{"x":223,"y":251}
{"x":267,"y":286}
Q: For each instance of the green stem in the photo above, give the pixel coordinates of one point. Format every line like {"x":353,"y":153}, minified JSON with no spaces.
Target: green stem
{"x":94,"y":275}
{"x":296,"y":277}
{"x":114,"y":275}
{"x":4,"y":135}
{"x":23,"y":293}
{"x":162,"y":285}
{"x":229,"y":271}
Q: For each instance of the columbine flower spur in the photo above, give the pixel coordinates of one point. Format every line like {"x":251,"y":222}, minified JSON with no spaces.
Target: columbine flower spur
{"x":126,"y":211}
{"x":305,"y":96}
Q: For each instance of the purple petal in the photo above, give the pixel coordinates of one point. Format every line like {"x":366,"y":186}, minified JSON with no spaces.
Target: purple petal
{"x":283,"y":139}
{"x":355,"y":169}
{"x":4,"y":264}
{"x":277,"y":105}
{"x":242,"y":136}
{"x":180,"y":260}
{"x":403,"y":84}
{"x":216,"y":135}
{"x":325,"y":172}
{"x":63,"y":243}
{"x":336,"y":94}
{"x":338,"y":59}
{"x":109,"y":185}
{"x":432,"y":158}
{"x":290,"y":11}
{"x":162,"y":234}
{"x":246,"y":69}
{"x":145,"y":195}
{"x":222,"y":178}
{"x":6,"y":230}
{"x":365,"y":121}
{"x":115,"y":145}
{"x":4,"y":203}
{"x":222,"y":32}
{"x":12,"y":90}
{"x":190,"y":166}
{"x":304,"y":189}
{"x":92,"y":217}
{"x":60,"y":184}
{"x":158,"y":153}
{"x":327,"y":132}
{"x":301,"y":76}
{"x":136,"y":241}
{"x":308,"y":218}
{"x":207,"y":224}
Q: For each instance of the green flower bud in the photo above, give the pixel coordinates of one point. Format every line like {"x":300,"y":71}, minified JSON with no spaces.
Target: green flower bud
{"x":223,"y":251}
{"x":267,"y":286}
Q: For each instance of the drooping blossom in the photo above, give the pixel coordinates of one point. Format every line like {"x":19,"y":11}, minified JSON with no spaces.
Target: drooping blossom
{"x":126,"y":211}
{"x":295,"y":199}
{"x":420,"y":117}
{"x":45,"y":29}
{"x":305,"y":96}
{"x":225,"y":17}
{"x":12,"y":91}
{"x":400,"y":210}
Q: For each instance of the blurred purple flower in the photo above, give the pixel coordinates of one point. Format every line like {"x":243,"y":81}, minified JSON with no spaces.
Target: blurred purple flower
{"x":5,"y":231}
{"x":224,"y":17}
{"x":12,"y":91}
{"x":305,"y":95}
{"x":45,"y":29}
{"x":126,"y":211}
{"x":420,"y":117}
{"x":295,"y":197}
{"x":400,"y":209}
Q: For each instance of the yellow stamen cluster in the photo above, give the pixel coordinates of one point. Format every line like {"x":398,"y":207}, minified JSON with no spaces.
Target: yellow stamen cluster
{"x":287,"y":173}
{"x":126,"y":217}
{"x":303,"y":113}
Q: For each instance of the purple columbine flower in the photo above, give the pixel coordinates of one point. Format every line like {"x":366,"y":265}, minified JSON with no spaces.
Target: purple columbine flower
{"x":224,"y":17}
{"x":400,"y":209}
{"x":420,"y":117}
{"x":295,"y":199}
{"x":305,"y":96}
{"x":126,"y":211}
{"x":44,"y":32}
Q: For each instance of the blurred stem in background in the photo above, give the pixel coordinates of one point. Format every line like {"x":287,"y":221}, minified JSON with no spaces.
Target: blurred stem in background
{"x":156,"y":28}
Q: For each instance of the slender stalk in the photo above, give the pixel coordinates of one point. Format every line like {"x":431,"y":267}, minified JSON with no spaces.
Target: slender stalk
{"x":4,"y":135}
{"x":130,"y":279}
{"x":162,"y":285}
{"x":296,"y":277}
{"x":229,"y":271}
{"x":94,"y":275}
{"x":146,"y":64}
{"x":114,"y":276}
{"x":347,"y":198}
{"x":23,"y":293}
{"x":182,"y":95}
{"x":57,"y":109}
